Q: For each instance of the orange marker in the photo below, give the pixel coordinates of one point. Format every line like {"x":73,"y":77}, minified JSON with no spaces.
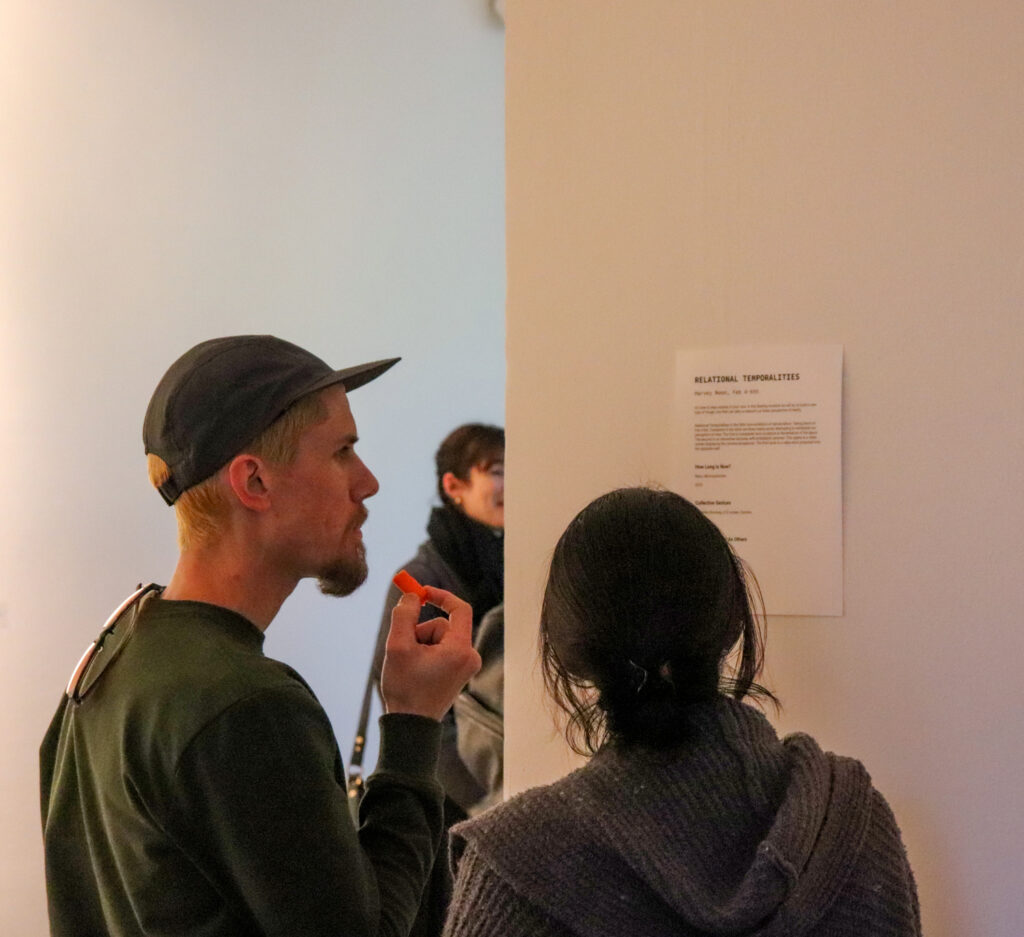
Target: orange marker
{"x":406,"y":583}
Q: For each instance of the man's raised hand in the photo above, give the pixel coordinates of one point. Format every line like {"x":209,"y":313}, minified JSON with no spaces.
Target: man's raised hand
{"x":426,"y":664}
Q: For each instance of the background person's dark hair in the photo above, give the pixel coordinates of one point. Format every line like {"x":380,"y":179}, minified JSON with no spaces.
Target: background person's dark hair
{"x":644,"y":602}
{"x":473,"y":444}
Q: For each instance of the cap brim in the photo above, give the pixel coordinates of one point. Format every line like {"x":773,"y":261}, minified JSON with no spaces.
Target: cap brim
{"x":364,"y":373}
{"x":351,"y":378}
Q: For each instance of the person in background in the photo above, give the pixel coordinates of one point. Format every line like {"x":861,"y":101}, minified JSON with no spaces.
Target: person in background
{"x":691,"y":817}
{"x":191,"y":785}
{"x":464,"y":555}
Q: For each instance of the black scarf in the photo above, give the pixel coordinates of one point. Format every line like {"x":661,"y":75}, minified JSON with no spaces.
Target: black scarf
{"x":475,"y":553}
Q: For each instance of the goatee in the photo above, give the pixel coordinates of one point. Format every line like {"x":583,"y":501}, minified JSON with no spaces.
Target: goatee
{"x":344,"y":577}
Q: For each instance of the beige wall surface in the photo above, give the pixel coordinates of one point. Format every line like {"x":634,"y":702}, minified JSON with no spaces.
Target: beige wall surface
{"x":703,"y":173}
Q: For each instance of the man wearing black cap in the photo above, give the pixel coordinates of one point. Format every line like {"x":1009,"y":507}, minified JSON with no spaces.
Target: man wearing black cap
{"x":191,"y":785}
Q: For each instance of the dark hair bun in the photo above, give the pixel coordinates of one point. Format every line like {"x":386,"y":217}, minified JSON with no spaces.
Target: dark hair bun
{"x":647,"y":706}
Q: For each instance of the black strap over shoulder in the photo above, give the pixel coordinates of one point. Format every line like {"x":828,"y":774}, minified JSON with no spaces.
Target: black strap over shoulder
{"x":355,"y":763}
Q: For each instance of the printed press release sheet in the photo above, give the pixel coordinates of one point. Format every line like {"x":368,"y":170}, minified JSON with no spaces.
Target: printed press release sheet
{"x":759,"y":451}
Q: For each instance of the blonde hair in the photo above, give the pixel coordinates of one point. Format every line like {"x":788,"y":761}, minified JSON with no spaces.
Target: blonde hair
{"x":203,"y":509}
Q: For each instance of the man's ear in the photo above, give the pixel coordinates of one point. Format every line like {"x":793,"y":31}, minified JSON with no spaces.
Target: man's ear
{"x":246,"y":476}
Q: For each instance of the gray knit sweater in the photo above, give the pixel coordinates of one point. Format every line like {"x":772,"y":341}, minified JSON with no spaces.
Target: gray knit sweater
{"x":738,"y":833}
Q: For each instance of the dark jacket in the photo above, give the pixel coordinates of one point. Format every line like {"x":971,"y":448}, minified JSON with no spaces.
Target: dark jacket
{"x":464,"y":557}
{"x":480,"y":712}
{"x":429,"y":569}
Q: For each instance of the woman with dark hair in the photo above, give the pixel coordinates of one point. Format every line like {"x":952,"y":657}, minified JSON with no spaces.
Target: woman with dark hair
{"x":463,"y":554}
{"x":691,"y":817}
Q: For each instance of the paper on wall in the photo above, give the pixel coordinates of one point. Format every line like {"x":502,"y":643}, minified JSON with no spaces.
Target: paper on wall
{"x":759,"y":451}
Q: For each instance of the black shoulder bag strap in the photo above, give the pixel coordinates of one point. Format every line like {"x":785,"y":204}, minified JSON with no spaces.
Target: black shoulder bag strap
{"x":356,"y":786}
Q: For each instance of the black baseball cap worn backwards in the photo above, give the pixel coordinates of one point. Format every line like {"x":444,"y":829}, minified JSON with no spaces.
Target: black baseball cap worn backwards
{"x":221,"y":394}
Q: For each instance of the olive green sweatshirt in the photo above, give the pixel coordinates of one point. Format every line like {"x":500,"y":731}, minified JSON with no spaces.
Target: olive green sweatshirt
{"x":198,"y":789}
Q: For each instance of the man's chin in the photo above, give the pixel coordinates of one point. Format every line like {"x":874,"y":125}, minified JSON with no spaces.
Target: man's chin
{"x":343,"y":579}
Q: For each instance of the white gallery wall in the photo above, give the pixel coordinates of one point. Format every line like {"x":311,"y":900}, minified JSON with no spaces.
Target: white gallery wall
{"x":330,"y":172}
{"x":689,"y":174}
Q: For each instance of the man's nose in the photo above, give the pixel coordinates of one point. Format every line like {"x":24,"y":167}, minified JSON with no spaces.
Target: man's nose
{"x":366,"y":485}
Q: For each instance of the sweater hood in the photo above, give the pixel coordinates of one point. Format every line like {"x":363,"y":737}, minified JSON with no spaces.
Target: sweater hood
{"x":738,"y":833}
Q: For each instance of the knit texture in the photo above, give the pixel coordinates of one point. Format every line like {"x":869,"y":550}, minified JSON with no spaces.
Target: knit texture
{"x":737,"y":833}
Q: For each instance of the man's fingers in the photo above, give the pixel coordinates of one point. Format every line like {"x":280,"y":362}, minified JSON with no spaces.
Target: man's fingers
{"x":404,"y":617}
{"x":460,"y":613}
{"x":427,"y":663}
{"x":432,"y":631}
